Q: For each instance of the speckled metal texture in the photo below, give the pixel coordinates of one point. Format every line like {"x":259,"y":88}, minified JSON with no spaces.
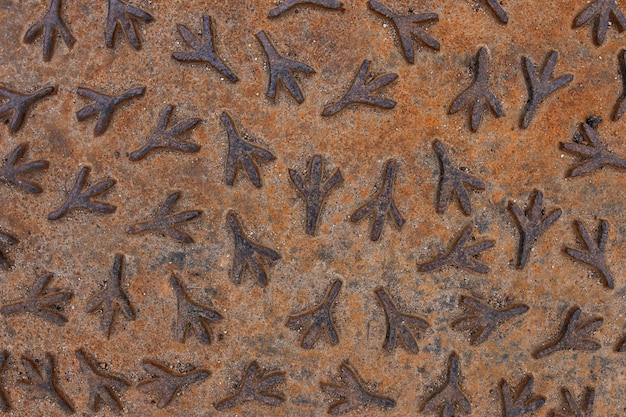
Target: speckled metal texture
{"x":286,"y":208}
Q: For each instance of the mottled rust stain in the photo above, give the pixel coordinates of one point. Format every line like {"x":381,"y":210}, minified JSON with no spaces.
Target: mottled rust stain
{"x":412,"y":82}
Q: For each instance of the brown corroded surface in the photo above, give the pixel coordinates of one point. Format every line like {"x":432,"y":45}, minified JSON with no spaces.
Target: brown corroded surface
{"x":79,"y":249}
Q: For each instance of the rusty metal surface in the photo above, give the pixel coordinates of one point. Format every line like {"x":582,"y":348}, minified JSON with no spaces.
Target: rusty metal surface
{"x":265,"y":251}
